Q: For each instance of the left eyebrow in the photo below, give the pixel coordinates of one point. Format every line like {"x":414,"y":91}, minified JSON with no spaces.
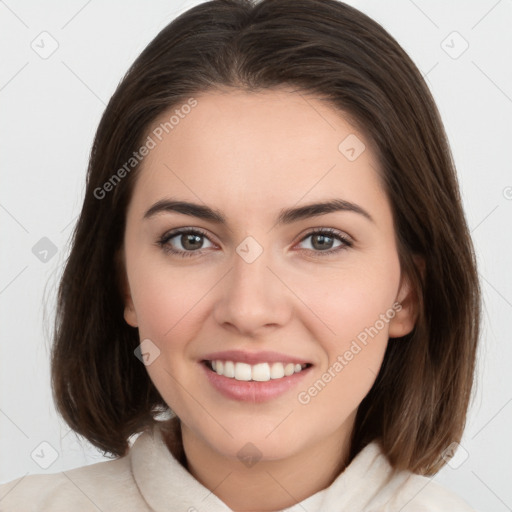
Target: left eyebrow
{"x":286,"y":216}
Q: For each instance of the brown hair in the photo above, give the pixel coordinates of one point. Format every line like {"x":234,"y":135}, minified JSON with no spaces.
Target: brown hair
{"x":418,"y":404}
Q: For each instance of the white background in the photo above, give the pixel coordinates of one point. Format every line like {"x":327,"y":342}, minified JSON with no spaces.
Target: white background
{"x":50,"y":109}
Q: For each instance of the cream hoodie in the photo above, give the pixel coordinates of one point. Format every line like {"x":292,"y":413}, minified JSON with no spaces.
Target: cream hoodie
{"x":150,"y":478}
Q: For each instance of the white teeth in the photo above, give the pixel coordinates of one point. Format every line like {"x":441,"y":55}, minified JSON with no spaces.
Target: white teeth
{"x":276,"y":371}
{"x":229,"y":369}
{"x":261,"y":372}
{"x":242,"y":371}
{"x":289,"y":369}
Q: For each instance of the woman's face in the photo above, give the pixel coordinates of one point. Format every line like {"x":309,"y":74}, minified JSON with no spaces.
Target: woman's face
{"x":255,"y":278}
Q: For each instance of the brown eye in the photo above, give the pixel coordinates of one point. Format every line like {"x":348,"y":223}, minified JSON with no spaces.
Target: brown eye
{"x":190,"y":241}
{"x":185,"y":242}
{"x":323,"y":240}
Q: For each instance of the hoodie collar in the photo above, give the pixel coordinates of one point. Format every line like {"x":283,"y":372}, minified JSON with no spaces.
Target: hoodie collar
{"x":166,"y":484}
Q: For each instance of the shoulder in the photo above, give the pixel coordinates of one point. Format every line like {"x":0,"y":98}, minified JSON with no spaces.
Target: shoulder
{"x":410,"y":492}
{"x":417,"y":493}
{"x":107,"y":485}
{"x":369,"y":484}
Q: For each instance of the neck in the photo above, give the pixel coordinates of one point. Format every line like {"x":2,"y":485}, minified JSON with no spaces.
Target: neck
{"x":268,"y":485}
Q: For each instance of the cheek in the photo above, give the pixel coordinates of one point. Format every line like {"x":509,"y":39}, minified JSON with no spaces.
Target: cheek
{"x":353,"y":310}
{"x":354,"y":349}
{"x":167,"y":299}
{"x":346,"y":301}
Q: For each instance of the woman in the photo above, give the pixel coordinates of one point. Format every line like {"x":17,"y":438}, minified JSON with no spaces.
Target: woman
{"x":273,"y":255}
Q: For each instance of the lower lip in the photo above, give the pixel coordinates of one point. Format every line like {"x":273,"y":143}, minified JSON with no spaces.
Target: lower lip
{"x":252,"y":391}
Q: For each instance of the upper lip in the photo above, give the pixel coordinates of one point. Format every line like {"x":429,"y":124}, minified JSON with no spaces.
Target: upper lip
{"x":254,"y":357}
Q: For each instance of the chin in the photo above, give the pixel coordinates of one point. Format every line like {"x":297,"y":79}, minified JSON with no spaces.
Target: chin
{"x":258,"y":439}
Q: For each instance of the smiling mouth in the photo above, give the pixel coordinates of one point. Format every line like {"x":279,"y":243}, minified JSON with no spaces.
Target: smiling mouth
{"x":261,"y":372}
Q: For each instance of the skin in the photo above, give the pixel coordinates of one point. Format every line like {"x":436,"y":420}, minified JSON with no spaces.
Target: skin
{"x":249,"y":155}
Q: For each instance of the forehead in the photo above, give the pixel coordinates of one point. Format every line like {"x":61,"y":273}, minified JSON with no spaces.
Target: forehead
{"x":248,"y":150}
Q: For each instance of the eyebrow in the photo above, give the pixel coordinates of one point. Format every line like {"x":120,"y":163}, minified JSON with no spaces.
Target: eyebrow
{"x":286,"y":216}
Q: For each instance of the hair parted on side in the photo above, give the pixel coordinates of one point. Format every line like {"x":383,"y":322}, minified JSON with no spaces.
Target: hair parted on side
{"x":418,"y":404}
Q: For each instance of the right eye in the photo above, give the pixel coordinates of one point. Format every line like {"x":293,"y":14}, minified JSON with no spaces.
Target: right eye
{"x":191,"y":241}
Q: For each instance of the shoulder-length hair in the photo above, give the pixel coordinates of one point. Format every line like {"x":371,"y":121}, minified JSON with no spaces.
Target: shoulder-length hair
{"x":418,"y":404}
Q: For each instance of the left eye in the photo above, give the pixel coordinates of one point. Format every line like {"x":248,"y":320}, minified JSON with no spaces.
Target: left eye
{"x":322,"y":240}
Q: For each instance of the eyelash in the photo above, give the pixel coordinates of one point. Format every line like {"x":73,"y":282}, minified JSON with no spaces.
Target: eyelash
{"x":330,"y":232}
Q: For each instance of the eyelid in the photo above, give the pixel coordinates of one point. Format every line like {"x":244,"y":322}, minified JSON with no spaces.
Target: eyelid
{"x":184,"y":230}
{"x":308,"y":232}
{"x":333,"y":231}
{"x":346,"y":240}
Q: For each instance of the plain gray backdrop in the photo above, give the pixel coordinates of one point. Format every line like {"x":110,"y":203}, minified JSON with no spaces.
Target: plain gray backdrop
{"x":61,"y":62}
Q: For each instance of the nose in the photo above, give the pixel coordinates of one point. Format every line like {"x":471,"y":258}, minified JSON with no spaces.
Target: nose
{"x":253,"y":297}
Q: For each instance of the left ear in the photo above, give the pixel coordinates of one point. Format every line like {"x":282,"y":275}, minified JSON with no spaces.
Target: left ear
{"x":406,"y":315}
{"x":130,"y":316}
